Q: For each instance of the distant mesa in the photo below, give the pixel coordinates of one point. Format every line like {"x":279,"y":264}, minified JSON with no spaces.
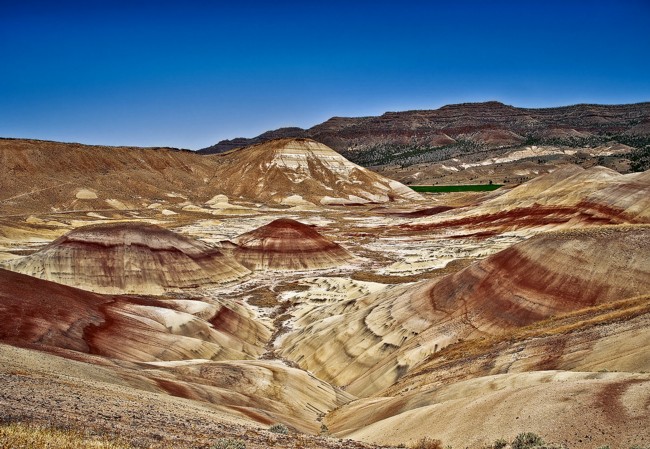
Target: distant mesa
{"x":129,"y":258}
{"x":290,"y":171}
{"x":488,"y":125}
{"x":287,"y":244}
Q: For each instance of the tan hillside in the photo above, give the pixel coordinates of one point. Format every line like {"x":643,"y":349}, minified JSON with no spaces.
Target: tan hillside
{"x":41,"y":176}
{"x":159,"y":407}
{"x":51,"y":177}
{"x":572,"y":186}
{"x":180,"y":342}
{"x":579,"y":409}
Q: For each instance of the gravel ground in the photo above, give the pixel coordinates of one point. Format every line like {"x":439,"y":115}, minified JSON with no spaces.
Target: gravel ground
{"x":144,"y":419}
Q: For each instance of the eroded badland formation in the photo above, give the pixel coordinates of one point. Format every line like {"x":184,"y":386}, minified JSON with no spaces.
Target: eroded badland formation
{"x":173,"y":299}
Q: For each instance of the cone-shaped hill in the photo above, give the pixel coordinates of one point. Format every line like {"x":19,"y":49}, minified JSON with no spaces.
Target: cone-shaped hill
{"x":129,"y":258}
{"x":291,"y":171}
{"x":287,"y":244}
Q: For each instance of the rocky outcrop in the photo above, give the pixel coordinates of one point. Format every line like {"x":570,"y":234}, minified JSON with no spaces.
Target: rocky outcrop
{"x":129,"y":258}
{"x":286,"y":244}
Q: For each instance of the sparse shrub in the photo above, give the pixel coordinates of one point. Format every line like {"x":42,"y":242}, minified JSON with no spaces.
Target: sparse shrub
{"x":604,"y":447}
{"x":427,"y":443}
{"x":499,"y":444}
{"x":640,"y":161}
{"x":527,"y":440}
{"x":22,"y":435}
{"x":324,"y":430}
{"x":229,"y":443}
{"x":279,"y":428}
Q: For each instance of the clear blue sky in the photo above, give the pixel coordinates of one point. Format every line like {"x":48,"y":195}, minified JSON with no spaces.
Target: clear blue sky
{"x":190,"y":73}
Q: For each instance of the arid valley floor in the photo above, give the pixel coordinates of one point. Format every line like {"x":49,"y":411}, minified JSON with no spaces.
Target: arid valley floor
{"x":171,"y":299}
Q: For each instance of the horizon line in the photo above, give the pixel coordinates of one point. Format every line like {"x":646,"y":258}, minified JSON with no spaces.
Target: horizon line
{"x":332,"y":117}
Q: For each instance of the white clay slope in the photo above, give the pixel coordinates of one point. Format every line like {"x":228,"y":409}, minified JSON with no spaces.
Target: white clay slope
{"x":285,"y":170}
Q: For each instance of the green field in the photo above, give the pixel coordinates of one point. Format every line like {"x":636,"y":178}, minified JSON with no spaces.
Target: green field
{"x":458,"y":188}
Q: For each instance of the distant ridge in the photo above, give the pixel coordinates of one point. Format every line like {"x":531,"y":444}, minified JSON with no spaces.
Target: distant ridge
{"x":376,"y":139}
{"x":56,"y":142}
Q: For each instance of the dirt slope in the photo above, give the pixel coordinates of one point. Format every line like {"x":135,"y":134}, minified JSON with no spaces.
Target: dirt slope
{"x":38,"y":177}
{"x":504,"y":380}
{"x":41,"y":176}
{"x":368,"y":344}
{"x":189,"y":349}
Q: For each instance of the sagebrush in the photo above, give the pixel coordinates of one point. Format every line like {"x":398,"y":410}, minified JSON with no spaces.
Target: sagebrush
{"x":279,"y":428}
{"x":427,"y":443}
{"x":229,"y":443}
{"x":527,"y":440}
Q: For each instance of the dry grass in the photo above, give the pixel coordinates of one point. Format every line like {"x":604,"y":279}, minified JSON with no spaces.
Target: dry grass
{"x":265,"y":297}
{"x":558,"y":325}
{"x":27,"y":436}
{"x":591,"y":316}
{"x":426,"y":443}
